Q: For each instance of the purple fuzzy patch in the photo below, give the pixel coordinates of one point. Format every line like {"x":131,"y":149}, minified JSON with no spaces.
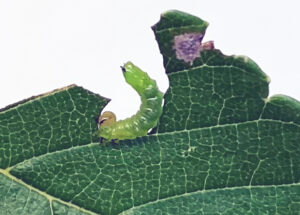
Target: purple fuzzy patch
{"x":188,"y":46}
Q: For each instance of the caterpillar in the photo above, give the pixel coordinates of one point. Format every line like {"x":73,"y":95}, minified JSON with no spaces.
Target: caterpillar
{"x":146,"y":118}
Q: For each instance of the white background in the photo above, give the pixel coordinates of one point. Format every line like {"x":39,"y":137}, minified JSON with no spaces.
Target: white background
{"x":46,"y":45}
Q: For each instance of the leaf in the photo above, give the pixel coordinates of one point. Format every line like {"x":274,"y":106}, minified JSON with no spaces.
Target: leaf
{"x":221,"y":146}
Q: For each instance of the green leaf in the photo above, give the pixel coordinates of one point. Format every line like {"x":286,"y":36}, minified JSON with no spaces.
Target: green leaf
{"x":221,"y":145}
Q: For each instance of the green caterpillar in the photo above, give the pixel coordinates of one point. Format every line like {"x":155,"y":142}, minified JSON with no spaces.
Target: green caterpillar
{"x":145,"y":119}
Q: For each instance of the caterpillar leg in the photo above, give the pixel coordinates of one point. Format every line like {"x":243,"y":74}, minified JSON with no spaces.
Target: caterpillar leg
{"x":115,"y":141}
{"x":103,"y":141}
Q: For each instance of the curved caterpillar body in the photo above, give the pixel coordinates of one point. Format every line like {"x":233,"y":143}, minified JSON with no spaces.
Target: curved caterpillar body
{"x":145,"y":119}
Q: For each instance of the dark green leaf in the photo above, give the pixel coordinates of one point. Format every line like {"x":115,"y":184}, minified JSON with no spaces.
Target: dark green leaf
{"x":221,"y":146}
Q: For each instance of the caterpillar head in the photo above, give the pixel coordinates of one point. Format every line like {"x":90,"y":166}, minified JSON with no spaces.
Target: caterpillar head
{"x":107,"y":118}
{"x":134,"y":76}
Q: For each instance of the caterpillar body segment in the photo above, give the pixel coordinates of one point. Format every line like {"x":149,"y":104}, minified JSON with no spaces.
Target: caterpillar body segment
{"x":147,"y":116}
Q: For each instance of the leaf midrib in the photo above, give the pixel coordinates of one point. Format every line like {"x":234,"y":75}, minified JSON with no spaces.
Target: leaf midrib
{"x":6,"y":172}
{"x":157,"y":134}
{"x":206,"y":191}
